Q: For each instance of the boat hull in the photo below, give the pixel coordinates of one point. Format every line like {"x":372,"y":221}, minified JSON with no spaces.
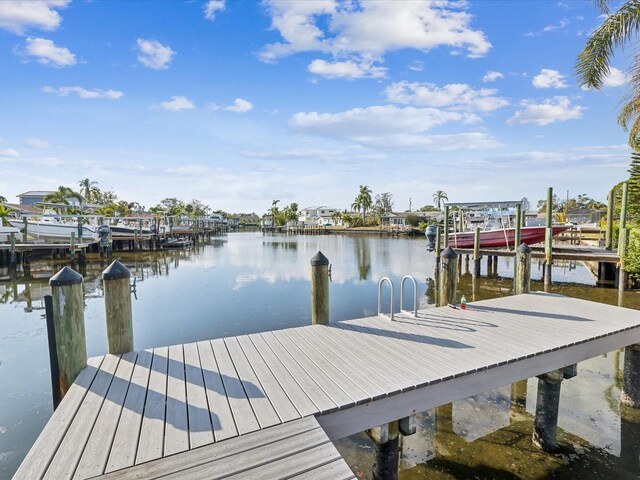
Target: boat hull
{"x":502,"y":238}
{"x":51,"y":232}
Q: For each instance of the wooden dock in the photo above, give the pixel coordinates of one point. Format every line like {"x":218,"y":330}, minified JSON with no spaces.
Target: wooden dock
{"x":582,"y":253}
{"x":242,"y":405}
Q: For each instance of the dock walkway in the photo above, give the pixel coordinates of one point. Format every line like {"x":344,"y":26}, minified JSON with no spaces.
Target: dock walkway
{"x":581,"y":253}
{"x":153,"y":405}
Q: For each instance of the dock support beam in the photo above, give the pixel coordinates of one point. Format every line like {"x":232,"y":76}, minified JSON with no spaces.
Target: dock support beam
{"x":545,"y":424}
{"x":630,"y":394}
{"x":522,"y":282}
{"x":386,"y":440}
{"x":68,"y":319}
{"x":476,"y":253}
{"x":319,"y":289}
{"x":448,"y":277}
{"x":117,"y":301}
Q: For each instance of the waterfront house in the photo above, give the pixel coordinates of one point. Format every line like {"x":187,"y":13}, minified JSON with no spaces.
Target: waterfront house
{"x":393,"y":219}
{"x":33,"y":197}
{"x":317,"y":216}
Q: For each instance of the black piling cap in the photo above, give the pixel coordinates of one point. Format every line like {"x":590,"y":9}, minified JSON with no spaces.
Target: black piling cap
{"x":524,"y":248}
{"x":449,"y":253}
{"x":116,"y":271}
{"x":65,"y":277}
{"x":319,"y":259}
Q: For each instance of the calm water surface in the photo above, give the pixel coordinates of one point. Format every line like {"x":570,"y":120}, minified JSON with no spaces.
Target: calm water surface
{"x":245,"y":282}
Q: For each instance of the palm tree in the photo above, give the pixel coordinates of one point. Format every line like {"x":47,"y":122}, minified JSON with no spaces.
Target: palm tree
{"x":439,"y":197}
{"x":4,"y":213}
{"x":594,"y":62}
{"x":89,"y":189}
{"x":62,"y":195}
{"x":363,"y":202}
{"x":274,"y":211}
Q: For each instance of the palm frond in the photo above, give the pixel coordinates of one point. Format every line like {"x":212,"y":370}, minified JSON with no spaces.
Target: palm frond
{"x":602,"y":6}
{"x":592,"y":65}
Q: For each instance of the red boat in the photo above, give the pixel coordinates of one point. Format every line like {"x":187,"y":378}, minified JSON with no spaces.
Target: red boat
{"x":504,"y":237}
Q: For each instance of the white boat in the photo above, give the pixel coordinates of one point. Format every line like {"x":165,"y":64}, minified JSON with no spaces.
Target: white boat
{"x":5,"y":234}
{"x":55,"y":230}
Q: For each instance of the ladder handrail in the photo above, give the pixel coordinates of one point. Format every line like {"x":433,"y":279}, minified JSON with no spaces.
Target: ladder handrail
{"x":415,"y":295}
{"x":382,"y":280}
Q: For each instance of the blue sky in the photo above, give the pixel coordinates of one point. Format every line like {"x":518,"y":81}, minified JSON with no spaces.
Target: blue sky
{"x":237,"y":103}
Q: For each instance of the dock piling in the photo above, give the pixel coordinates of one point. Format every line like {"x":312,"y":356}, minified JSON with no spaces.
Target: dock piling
{"x":13,"y":256}
{"x":446,"y":226}
{"x":72,"y":248}
{"x":522,"y":281}
{"x":448,"y":277}
{"x":518,"y":233}
{"x":117,"y":301}
{"x":387,"y":455}
{"x":53,"y":354}
{"x":68,"y":319}
{"x":630,"y":394}
{"x":547,"y":404}
{"x":476,"y":252}
{"x":319,"y":289}
{"x":548,"y":239}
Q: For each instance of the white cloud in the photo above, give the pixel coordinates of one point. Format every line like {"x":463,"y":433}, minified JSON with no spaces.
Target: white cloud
{"x":19,"y":15}
{"x":323,"y":155}
{"x":211,"y":7}
{"x":9,"y":153}
{"x":37,"y":143}
{"x":549,"y":28}
{"x":556,"y":109}
{"x":457,"y":96}
{"x":364,"y":31}
{"x":392,"y":127}
{"x":178,"y":103}
{"x":549,"y":79}
{"x":240,"y":105}
{"x":492,"y":76}
{"x":48,"y":53}
{"x":348,"y":69}
{"x":85,"y":94}
{"x":417,"y":66}
{"x":616,"y":78}
{"x":154,"y":55}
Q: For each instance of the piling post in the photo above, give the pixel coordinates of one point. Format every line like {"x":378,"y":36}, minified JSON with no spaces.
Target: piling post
{"x":72,"y":248}
{"x":548,"y":239}
{"x":547,"y":404}
{"x":623,"y":236}
{"x":68,"y":320}
{"x":387,"y":455}
{"x":79,"y":229}
{"x":518,"y":233}
{"x":446,"y":226}
{"x":53,"y":354}
{"x":319,"y":289}
{"x":608,"y":243}
{"x":523,"y":270}
{"x":448,"y":277}
{"x":117,"y":301}
{"x":25,"y":230}
{"x":438,"y":250}
{"x":13,"y":256}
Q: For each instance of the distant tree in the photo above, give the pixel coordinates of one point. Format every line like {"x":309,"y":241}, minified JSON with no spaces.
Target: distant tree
{"x":412,"y":220}
{"x":556,"y":205}
{"x":439,"y":197}
{"x":290,"y":213}
{"x":89,"y":190}
{"x":62,"y":195}
{"x":172,"y":206}
{"x":274,"y":211}
{"x":634,"y":184}
{"x":4,"y":213}
{"x":363,"y":202}
{"x":197,"y":209}
{"x":104,"y":197}
{"x":3,"y":199}
{"x":428,"y":208}
{"x":383,"y":203}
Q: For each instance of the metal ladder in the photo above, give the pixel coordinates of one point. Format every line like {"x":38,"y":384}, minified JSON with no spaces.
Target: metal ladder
{"x":393,"y":296}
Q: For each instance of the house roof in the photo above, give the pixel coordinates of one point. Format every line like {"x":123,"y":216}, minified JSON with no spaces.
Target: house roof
{"x":23,"y":208}
{"x":35,"y":193}
{"x":322,"y":207}
{"x":406,"y":214}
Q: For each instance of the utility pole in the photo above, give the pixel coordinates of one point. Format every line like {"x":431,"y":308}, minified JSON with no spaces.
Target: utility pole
{"x":409,"y":203}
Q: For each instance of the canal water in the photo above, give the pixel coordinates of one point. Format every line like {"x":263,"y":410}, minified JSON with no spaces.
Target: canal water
{"x":246,"y":282}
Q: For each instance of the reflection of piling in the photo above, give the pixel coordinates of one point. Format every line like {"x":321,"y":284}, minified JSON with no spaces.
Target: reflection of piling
{"x":476,"y":253}
{"x":68,"y":319}
{"x":117,"y":301}
{"x":629,"y":438}
{"x":522,"y":281}
{"x":518,"y":405}
{"x":320,"y":289}
{"x":630,"y":393}
{"x":448,"y":277}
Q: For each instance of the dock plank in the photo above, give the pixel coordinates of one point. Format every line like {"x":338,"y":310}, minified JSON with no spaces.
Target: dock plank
{"x":95,"y":455}
{"x":125,"y":444}
{"x":176,"y":432}
{"x":243,"y":414}
{"x":200,"y":429}
{"x":151,"y":443}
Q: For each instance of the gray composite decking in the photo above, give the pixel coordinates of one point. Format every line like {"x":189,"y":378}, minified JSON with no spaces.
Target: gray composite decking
{"x":126,"y":410}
